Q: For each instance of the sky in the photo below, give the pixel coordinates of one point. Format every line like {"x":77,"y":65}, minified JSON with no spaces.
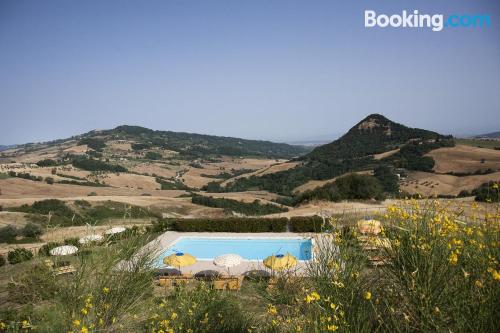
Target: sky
{"x":280,"y":70}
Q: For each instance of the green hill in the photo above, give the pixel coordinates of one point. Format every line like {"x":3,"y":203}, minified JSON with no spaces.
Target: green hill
{"x":193,"y":145}
{"x":352,"y":152}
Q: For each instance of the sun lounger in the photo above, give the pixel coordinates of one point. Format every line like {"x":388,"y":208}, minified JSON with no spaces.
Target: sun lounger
{"x":219,"y":284}
{"x":174,"y":280}
{"x":64,"y":270}
{"x":235,"y":283}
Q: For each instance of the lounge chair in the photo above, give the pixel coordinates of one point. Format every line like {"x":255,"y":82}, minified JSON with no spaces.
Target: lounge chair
{"x":219,"y":284}
{"x":69,"y":269}
{"x":235,"y":283}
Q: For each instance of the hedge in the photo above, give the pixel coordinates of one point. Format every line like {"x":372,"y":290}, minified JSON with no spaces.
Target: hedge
{"x":231,"y":225}
{"x":240,"y":224}
{"x":306,"y":224}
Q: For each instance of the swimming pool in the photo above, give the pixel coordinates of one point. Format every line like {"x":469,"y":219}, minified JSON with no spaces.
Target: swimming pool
{"x":207,"y":248}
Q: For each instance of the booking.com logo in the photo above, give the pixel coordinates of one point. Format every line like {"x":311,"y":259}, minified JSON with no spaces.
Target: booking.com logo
{"x":436,"y":22}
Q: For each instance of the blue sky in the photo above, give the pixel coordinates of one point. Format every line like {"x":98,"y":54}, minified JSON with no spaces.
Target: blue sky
{"x":280,"y":70}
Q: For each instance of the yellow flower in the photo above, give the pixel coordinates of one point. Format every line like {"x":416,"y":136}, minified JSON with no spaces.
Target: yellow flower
{"x":271,"y":309}
{"x":367,"y":295}
{"x":76,"y":322}
{"x":333,"y":306}
{"x":478,"y":284}
{"x":495,"y":274}
{"x":84,"y":330}
{"x":105,"y":290}
{"x":84,"y":311}
{"x":174,"y":315}
{"x":332,"y":328}
{"x":314,"y":296}
{"x":25,"y":324}
{"x":453,"y":259}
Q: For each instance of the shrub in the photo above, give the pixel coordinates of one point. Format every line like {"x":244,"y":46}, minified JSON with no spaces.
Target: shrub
{"x":32,"y":230}
{"x":8,"y":234}
{"x":72,"y":241}
{"x":231,"y":225}
{"x":91,"y":164}
{"x":46,"y":162}
{"x":44,"y":250}
{"x":49,"y":180}
{"x":2,"y":260}
{"x":151,"y":155}
{"x":19,"y":255}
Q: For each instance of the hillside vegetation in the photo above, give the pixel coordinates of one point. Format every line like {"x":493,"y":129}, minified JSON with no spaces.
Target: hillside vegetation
{"x":352,"y":152}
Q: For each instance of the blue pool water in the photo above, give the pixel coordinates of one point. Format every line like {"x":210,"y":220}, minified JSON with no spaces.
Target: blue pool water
{"x":248,"y":248}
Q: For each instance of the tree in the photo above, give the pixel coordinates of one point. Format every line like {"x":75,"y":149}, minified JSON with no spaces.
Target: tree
{"x":387,"y":178}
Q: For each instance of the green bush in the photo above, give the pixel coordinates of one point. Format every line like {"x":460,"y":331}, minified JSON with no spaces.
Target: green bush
{"x":46,"y":162}
{"x":2,"y":260}
{"x":19,"y":255}
{"x":231,"y":225}
{"x":72,"y":241}
{"x":32,"y":230}
{"x":45,"y":249}
{"x":90,"y":164}
{"x":8,"y":234}
{"x":306,"y":224}
{"x":151,"y":155}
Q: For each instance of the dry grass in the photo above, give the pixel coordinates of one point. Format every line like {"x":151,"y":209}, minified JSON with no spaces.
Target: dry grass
{"x":465,"y":159}
{"x":428,"y":184}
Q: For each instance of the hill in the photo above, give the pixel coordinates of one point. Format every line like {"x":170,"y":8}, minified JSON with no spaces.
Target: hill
{"x":492,"y":135}
{"x":192,"y":145}
{"x":354,"y":151}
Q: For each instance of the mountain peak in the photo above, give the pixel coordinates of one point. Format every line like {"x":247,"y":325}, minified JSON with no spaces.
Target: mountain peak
{"x":372,"y":135}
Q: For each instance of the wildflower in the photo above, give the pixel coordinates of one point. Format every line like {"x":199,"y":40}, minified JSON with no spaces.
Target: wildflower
{"x":84,"y":330}
{"x":332,"y":328}
{"x":367,"y":295}
{"x":25,"y":324}
{"x":84,"y":311}
{"x":333,"y":306}
{"x":453,"y":259}
{"x":174,"y":315}
{"x":495,"y":274}
{"x":271,"y":309}
{"x":76,"y":322}
{"x":314,"y":296}
{"x":478,"y":284}
{"x":105,"y":290}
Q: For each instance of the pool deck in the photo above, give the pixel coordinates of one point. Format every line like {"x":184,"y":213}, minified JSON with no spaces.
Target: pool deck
{"x":246,"y":267}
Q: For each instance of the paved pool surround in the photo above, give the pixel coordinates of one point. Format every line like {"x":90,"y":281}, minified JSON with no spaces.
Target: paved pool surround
{"x":170,"y":237}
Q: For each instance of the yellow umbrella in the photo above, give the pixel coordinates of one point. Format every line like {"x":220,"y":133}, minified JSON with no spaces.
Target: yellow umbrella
{"x":179,"y":259}
{"x":280,"y":262}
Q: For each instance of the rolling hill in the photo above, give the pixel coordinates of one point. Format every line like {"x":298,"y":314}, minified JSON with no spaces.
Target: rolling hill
{"x":492,"y":135}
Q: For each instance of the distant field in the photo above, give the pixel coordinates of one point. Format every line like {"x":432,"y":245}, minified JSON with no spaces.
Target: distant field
{"x":462,"y":158}
{"x":490,"y":144}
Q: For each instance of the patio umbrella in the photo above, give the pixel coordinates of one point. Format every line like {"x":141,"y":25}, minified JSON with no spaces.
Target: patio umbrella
{"x":64,"y":250}
{"x":280,"y":262}
{"x":114,"y":230}
{"x":89,"y":239}
{"x":179,"y":259}
{"x":228,"y":260}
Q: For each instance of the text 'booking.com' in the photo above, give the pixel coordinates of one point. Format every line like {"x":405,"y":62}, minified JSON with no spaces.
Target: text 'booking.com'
{"x":435,"y":22}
